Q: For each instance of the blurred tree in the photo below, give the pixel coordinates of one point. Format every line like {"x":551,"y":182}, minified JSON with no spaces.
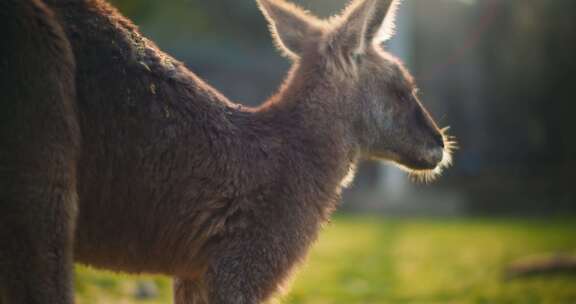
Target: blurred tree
{"x":530,"y":60}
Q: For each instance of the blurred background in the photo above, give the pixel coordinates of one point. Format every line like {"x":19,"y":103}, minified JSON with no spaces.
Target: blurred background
{"x":501,"y":74}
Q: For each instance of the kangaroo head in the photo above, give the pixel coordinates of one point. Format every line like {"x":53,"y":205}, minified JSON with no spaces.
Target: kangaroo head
{"x":385,"y":115}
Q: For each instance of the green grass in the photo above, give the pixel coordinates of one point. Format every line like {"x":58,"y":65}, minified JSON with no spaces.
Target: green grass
{"x":372,"y":260}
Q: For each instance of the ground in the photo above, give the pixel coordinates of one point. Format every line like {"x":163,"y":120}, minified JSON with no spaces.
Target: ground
{"x":374,"y":260}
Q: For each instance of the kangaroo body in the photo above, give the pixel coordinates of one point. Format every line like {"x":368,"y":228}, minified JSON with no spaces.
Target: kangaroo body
{"x":168,"y":153}
{"x":39,"y":141}
{"x":170,"y":177}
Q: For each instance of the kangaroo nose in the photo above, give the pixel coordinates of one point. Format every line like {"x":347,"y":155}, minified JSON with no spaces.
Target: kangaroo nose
{"x":439,"y":139}
{"x":427,"y":123}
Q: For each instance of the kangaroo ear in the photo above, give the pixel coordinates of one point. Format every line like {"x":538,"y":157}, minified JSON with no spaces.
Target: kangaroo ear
{"x":365,"y":22}
{"x":291,"y":26}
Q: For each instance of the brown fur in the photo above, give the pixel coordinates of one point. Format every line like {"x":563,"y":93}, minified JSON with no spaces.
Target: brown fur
{"x":175,"y":179}
{"x":38,"y":145}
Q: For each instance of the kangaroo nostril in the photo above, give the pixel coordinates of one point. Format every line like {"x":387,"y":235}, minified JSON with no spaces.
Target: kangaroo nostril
{"x":439,"y":139}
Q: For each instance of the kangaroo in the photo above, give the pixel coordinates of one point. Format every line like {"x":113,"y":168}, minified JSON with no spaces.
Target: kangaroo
{"x":39,"y":140}
{"x":170,"y":177}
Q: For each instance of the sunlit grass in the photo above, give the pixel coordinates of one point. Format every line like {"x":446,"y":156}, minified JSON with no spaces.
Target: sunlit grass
{"x":372,"y":260}
{"x":102,"y":287}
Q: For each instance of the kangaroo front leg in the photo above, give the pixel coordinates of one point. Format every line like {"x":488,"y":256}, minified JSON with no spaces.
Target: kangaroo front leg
{"x":190,"y":292}
{"x":248,"y":269}
{"x":246,"y":278}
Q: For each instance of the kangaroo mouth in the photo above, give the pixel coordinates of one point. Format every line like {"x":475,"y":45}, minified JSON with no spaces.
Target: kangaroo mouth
{"x":427,"y":165}
{"x":428,"y":160}
{"x":428,"y":171}
{"x":436,"y":161}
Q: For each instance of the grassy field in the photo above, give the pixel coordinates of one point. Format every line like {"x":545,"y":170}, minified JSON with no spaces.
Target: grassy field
{"x":372,"y":260}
